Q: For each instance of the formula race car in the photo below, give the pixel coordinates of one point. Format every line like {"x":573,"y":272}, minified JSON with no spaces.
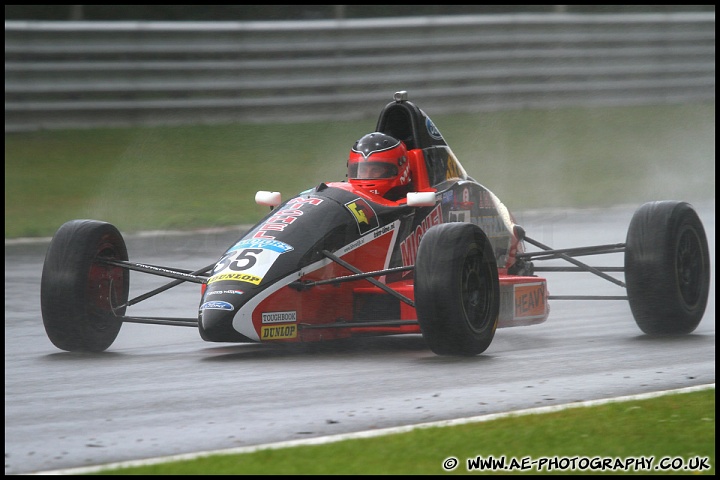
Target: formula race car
{"x":444,"y":259}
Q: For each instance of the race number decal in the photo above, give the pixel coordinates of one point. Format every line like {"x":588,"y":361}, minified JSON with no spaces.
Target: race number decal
{"x":249,"y":260}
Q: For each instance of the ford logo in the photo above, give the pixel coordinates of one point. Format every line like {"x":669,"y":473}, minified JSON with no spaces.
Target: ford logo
{"x":217,"y":306}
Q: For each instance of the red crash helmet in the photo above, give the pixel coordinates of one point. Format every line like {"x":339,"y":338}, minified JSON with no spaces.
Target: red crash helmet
{"x":378,"y":163}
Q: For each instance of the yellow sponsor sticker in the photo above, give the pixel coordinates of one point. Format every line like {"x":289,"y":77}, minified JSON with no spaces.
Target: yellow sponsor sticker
{"x":358,"y":212}
{"x":238,"y":277}
{"x":277,"y":332}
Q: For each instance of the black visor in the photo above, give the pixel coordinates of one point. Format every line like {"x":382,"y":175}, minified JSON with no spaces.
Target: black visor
{"x":372,"y":170}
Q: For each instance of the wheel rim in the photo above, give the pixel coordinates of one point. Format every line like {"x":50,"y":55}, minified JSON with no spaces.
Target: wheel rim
{"x":474,"y":291}
{"x":105,"y":287}
{"x":689,"y":266}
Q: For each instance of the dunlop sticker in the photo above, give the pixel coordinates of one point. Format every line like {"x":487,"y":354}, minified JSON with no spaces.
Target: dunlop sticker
{"x":277,"y":332}
{"x":238,"y":277}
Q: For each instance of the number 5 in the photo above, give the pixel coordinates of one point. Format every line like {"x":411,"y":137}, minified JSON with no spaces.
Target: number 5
{"x":245,"y":259}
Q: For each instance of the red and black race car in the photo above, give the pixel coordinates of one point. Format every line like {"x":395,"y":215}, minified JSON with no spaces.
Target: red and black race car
{"x":445,"y":260}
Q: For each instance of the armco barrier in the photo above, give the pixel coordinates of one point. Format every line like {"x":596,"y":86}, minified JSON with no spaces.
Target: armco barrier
{"x":83,"y":74}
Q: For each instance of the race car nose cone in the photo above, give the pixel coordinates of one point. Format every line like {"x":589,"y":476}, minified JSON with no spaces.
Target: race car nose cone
{"x":215,"y":322}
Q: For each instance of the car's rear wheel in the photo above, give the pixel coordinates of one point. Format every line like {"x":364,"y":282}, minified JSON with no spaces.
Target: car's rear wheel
{"x":77,"y":291}
{"x":667,"y":268}
{"x":457,"y":291}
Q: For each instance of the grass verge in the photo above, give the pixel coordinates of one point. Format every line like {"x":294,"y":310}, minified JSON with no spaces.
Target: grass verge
{"x":674,"y":430}
{"x":203,"y":176}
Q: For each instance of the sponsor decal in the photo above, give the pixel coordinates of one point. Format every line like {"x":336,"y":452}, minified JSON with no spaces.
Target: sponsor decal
{"x":285,"y":217}
{"x":432,"y":129}
{"x":409,"y":246}
{"x":364,"y":215}
{"x":384,"y":230}
{"x":272,"y":245}
{"x":507,"y":301}
{"x":165,"y":270}
{"x":530,"y":300}
{"x":486,"y":200}
{"x":216,"y":306}
{"x":454,"y":170}
{"x":459,"y":216}
{"x":461,"y":211}
{"x":352,"y":246}
{"x":279,"y":317}
{"x":238,"y":277}
{"x":277,"y":332}
{"x":493,"y":226}
{"x":252,"y":257}
{"x":219,"y":292}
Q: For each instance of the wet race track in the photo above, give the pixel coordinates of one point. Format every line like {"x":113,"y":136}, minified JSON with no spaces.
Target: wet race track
{"x":162,"y":390}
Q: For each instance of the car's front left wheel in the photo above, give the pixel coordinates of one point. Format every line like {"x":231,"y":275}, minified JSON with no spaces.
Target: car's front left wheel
{"x":457,"y":290}
{"x":667,"y":268}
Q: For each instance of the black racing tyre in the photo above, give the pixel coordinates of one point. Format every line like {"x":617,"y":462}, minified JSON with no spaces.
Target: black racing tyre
{"x":457,"y":290}
{"x":76,"y":291}
{"x":667,"y":268}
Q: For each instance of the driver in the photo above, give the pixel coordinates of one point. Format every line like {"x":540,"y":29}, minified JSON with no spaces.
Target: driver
{"x":378,"y":163}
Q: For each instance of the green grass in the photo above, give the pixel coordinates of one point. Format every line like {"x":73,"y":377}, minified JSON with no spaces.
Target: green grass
{"x":199,"y":176}
{"x":673,"y":426}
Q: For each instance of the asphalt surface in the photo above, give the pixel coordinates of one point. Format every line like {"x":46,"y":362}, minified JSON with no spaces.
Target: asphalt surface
{"x":162,"y":390}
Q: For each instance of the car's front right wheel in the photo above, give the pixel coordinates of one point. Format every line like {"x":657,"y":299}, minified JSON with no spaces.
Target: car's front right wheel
{"x":78,"y":292}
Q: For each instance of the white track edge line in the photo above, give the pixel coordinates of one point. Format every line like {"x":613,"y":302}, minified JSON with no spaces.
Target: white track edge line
{"x":372,"y":433}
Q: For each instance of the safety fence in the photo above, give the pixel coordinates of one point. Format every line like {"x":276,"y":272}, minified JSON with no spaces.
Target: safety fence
{"x":83,"y":74}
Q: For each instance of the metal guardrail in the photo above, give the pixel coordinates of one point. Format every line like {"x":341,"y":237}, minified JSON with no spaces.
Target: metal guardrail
{"x":82,"y":74}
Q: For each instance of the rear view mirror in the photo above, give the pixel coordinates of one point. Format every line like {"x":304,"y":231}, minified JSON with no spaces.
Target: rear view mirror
{"x":270,"y":199}
{"x":421,"y":199}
